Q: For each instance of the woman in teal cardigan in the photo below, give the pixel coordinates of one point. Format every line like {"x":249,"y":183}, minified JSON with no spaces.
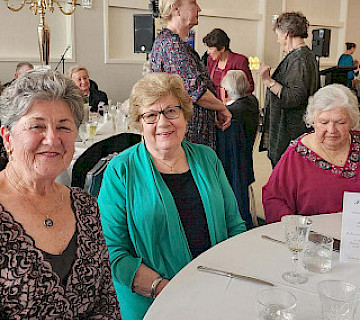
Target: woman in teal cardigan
{"x":163,"y":201}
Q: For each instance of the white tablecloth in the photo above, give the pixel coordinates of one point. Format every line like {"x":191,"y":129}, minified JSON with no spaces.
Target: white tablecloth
{"x":197,"y":295}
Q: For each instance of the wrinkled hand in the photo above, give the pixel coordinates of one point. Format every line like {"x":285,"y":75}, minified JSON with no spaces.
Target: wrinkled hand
{"x":161,"y":286}
{"x":223,"y":119}
{"x":264,"y":72}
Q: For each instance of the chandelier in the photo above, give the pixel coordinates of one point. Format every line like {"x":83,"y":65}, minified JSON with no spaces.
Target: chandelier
{"x":40,"y":7}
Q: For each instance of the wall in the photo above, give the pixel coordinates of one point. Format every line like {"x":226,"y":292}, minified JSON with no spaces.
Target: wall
{"x":102,"y":37}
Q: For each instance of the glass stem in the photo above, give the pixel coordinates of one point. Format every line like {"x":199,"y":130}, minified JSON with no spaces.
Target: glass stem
{"x":295,"y":258}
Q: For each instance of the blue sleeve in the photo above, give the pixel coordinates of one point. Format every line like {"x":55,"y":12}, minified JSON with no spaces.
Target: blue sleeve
{"x":234,"y":223}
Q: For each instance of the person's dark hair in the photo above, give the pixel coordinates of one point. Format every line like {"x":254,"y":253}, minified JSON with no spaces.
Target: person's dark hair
{"x":293,"y":23}
{"x":217,"y":38}
{"x":350,"y":45}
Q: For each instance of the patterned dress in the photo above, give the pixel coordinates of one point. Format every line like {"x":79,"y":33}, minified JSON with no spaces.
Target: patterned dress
{"x":306,"y":184}
{"x":172,"y":55}
{"x":31,"y":290}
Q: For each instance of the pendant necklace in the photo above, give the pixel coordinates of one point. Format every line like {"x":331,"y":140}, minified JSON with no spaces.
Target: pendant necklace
{"x":170,"y":166}
{"x":48,"y":221}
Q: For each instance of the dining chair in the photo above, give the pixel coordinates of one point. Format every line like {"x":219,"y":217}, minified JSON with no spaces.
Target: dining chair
{"x":99,"y":150}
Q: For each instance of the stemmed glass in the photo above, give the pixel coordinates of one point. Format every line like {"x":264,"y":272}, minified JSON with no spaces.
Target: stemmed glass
{"x":297,"y":230}
{"x":84,"y":132}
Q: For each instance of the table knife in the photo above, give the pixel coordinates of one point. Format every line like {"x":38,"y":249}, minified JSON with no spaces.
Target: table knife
{"x":231,"y":275}
{"x":335,"y":248}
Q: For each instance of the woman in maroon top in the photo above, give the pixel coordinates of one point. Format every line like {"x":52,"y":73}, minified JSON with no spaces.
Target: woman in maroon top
{"x":318,"y":167}
{"x":221,"y":59}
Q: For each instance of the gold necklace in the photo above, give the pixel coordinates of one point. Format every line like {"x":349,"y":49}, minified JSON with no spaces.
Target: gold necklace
{"x":170,"y":166}
{"x":48,"y":222}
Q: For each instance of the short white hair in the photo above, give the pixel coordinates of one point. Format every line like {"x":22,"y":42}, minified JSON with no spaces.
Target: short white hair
{"x":235,"y":83}
{"x":330,"y":97}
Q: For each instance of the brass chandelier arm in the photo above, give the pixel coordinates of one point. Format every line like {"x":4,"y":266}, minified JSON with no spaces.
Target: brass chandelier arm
{"x":67,"y":13}
{"x":16,"y":9}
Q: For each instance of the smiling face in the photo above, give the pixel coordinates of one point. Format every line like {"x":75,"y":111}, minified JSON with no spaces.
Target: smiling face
{"x":42,"y":141}
{"x":188,"y":11}
{"x":164,"y":135}
{"x":332,"y":128}
{"x":81,"y":79}
{"x":214,"y":53}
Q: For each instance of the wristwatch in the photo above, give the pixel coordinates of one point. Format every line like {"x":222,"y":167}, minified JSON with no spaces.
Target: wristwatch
{"x":271,"y":84}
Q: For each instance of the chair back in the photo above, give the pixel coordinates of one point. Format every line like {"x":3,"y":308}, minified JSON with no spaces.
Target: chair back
{"x":99,"y":150}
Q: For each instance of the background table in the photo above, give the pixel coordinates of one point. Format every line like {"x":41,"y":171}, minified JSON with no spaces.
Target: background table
{"x":198,"y":295}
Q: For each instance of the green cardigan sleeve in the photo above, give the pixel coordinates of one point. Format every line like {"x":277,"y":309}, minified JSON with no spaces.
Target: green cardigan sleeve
{"x":123,"y":260}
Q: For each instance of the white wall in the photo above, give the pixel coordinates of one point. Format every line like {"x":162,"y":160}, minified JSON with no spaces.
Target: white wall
{"x":102,"y":37}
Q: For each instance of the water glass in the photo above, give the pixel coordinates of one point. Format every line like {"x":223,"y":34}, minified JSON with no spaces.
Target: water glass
{"x":318,"y":253}
{"x":276,"y":304}
{"x":339,"y":299}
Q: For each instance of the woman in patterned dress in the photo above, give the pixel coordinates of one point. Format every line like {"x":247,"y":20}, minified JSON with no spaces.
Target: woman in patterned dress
{"x":172,"y":54}
{"x":53,"y":258}
{"x":318,"y":167}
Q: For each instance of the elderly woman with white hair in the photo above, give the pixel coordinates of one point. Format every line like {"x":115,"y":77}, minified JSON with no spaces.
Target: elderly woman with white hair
{"x":172,"y":54}
{"x":318,"y":167}
{"x":238,"y":140}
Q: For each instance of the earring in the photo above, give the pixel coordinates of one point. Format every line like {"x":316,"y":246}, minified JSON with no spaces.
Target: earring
{"x":9,"y":154}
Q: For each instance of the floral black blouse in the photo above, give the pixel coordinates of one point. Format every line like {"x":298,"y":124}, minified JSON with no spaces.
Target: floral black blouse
{"x":30,"y":289}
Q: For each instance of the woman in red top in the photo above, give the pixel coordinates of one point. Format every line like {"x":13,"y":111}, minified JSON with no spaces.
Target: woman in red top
{"x":221,"y":59}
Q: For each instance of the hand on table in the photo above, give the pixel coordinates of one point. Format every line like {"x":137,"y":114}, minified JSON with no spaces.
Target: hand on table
{"x":161,"y":286}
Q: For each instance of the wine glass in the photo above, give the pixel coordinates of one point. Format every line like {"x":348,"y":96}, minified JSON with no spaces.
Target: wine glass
{"x":84,"y":132}
{"x":297,"y":230}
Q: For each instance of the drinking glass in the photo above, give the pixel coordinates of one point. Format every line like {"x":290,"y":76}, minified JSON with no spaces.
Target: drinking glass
{"x":297,"y":230}
{"x":276,"y":304}
{"x":339,"y":299}
{"x":318,"y":253}
{"x":84,"y":132}
{"x":93,"y":129}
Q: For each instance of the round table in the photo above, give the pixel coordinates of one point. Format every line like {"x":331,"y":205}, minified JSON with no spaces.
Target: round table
{"x":192,"y":294}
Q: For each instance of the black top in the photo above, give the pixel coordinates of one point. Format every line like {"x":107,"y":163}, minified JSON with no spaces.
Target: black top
{"x":191,"y":210}
{"x":62,"y":263}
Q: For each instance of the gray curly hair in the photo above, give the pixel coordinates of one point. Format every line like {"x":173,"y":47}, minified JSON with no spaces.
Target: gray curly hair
{"x":39,"y":85}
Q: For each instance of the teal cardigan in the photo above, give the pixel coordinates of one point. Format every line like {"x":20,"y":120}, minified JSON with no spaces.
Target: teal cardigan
{"x":141,"y":223}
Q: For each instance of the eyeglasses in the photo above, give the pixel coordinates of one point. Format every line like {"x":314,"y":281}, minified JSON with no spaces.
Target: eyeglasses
{"x":172,"y":112}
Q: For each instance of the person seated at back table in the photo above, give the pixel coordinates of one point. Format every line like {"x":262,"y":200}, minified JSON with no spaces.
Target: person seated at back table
{"x":318,"y":167}
{"x":163,"y":201}
{"x":21,"y":68}
{"x":89,"y":88}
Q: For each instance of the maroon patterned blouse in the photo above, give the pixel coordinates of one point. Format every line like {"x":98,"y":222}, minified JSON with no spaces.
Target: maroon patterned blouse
{"x":30,"y":289}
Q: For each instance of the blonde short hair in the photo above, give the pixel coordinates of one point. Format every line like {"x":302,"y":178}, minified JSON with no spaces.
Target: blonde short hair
{"x":155,"y":86}
{"x":330,"y":97}
{"x":165,"y":8}
{"x":74,"y":69}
